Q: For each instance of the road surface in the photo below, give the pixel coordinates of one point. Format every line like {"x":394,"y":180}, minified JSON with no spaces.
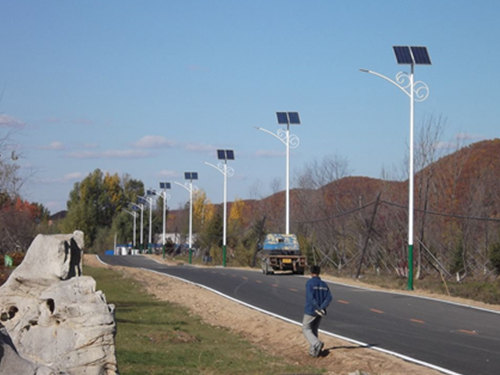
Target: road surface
{"x":457,"y":338}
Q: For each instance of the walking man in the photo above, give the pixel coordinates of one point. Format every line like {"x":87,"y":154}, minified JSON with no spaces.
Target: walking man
{"x":318,"y":297}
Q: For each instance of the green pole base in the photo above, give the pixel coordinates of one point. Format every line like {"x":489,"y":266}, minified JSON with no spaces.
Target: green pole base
{"x":410,"y":267}
{"x":190,"y":256}
{"x":224,"y":256}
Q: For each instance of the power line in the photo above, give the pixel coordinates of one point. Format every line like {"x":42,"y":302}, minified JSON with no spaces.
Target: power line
{"x":345,"y":213}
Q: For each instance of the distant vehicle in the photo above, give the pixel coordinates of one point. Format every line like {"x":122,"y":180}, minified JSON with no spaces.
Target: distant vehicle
{"x":281,"y":252}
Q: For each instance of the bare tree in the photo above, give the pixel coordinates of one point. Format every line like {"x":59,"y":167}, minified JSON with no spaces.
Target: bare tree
{"x":426,"y":154}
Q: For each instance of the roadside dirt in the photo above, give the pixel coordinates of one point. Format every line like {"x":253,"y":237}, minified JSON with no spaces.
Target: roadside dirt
{"x":273,"y":335}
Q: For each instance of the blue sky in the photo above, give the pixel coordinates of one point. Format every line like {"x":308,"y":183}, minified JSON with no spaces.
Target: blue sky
{"x":153,"y":88}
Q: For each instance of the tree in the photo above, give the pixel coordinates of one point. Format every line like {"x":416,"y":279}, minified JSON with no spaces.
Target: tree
{"x":203,"y":210}
{"x":93,"y":203}
{"x":18,"y":218}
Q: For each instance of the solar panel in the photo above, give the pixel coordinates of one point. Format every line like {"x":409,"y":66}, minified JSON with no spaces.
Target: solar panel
{"x":288,"y":118}
{"x":420,"y":55}
{"x":403,"y":55}
{"x":412,"y":55}
{"x":187,"y":175}
{"x":165,"y":185}
{"x":150,"y":192}
{"x":194,"y":175}
{"x":225,"y":154}
{"x":282,"y":117}
{"x":294,"y":117}
{"x":141,"y":200}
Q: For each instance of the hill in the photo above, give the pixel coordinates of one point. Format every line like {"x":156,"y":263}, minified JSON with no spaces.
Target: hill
{"x":457,"y":217}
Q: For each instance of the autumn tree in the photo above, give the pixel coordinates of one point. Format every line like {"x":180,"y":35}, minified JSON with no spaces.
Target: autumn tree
{"x":19,"y":219}
{"x":95,"y":201}
{"x":203,"y":210}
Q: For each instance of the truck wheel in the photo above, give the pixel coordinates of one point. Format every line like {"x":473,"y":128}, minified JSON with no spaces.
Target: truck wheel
{"x":265,"y":268}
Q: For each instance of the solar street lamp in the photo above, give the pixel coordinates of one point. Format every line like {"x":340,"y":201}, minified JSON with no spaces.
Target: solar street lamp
{"x":164,"y":186}
{"x":147,"y":199}
{"x":189,"y":176}
{"x":140,"y":206}
{"x":224,"y":156}
{"x":290,"y":141}
{"x":416,"y":91}
{"x":134,"y":215}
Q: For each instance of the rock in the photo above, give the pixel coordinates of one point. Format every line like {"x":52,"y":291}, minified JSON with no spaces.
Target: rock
{"x":12,"y":363}
{"x":54,"y":315}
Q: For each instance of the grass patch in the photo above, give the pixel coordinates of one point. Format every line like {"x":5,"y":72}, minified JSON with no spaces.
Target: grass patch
{"x":156,"y":337}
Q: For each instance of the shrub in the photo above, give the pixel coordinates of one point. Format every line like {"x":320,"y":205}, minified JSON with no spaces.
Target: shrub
{"x":495,"y":257}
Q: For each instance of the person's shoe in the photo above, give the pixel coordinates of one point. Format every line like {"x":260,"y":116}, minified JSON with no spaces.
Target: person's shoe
{"x":318,"y":349}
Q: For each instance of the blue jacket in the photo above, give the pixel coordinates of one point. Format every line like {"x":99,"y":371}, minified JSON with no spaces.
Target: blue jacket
{"x":318,"y":295}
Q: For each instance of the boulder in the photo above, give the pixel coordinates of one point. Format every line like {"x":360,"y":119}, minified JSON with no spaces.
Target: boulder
{"x":54,"y":316}
{"x":12,"y":363}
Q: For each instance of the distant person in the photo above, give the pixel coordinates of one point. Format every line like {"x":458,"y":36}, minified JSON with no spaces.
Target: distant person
{"x":318,"y":297}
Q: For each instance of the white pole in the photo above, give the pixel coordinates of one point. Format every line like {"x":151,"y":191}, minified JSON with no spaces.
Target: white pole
{"x":422,"y":94}
{"x":225,"y":205}
{"x":133,"y":236}
{"x":150,"y":200}
{"x":190,"y":214}
{"x":287,"y":225}
{"x":141,"y":205}
{"x":286,"y":141}
{"x":410,"y":188}
{"x":164,"y":215}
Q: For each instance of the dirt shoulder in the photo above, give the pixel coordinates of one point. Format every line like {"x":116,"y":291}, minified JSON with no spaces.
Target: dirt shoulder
{"x":273,"y":335}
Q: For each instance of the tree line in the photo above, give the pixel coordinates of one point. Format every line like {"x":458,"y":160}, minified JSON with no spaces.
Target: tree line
{"x":350,"y":224}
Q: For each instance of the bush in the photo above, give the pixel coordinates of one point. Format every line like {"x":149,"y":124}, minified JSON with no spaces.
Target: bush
{"x":495,"y":257}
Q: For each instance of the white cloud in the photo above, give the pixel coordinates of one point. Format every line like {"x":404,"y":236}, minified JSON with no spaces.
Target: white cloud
{"x":56,"y":145}
{"x":199,"y":147}
{"x":153,"y":141}
{"x":73,"y":176}
{"x":109,"y":154}
{"x":7,"y":121}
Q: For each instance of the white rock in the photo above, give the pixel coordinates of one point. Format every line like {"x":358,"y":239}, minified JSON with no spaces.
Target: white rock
{"x":54,"y":316}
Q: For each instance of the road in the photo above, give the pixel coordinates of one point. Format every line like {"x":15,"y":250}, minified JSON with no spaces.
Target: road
{"x":452,"y":337}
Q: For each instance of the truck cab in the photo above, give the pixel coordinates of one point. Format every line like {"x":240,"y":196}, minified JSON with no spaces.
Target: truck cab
{"x":281,"y":252}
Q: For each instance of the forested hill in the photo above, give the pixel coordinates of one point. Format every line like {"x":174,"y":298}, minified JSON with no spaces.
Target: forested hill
{"x":457,"y":217}
{"x":464,"y":182}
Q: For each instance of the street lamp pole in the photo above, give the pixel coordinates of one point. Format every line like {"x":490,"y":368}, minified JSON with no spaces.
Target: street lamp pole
{"x":149,"y":200}
{"x":190,"y":176}
{"x":290,"y":141}
{"x":226,"y":171}
{"x":140,"y":206}
{"x":416,"y":91}
{"x":134,"y":215}
{"x":164,"y":186}
{"x":150,"y":241}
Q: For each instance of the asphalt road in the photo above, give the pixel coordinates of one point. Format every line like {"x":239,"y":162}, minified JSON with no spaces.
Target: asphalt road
{"x":460,"y":339}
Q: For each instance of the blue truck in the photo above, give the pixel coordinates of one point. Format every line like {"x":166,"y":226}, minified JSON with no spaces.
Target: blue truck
{"x":281,"y":252}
